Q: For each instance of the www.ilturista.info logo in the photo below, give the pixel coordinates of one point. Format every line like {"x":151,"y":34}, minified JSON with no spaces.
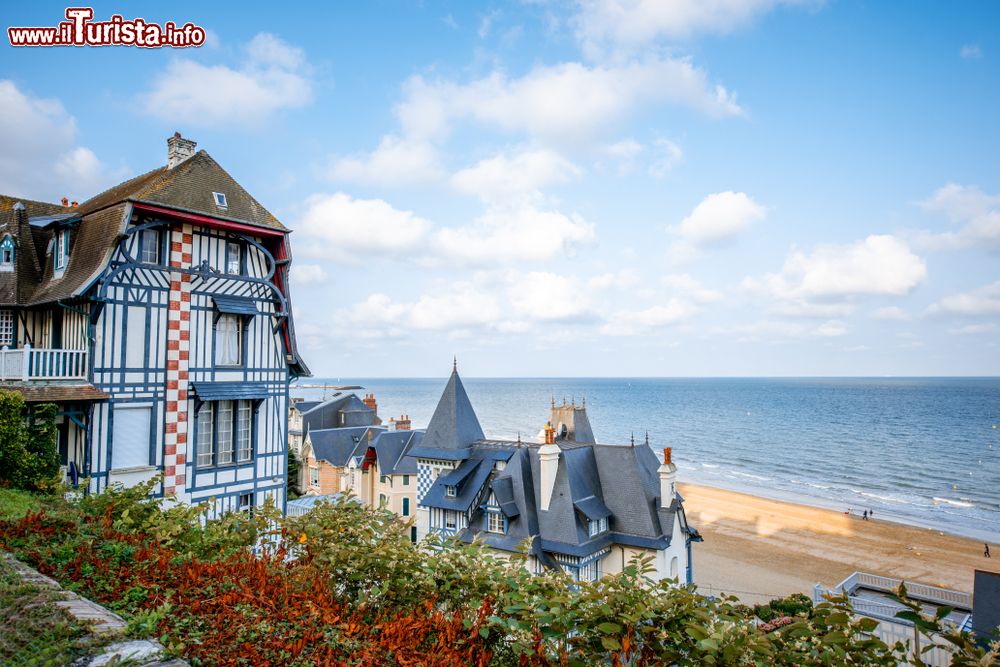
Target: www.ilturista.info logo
{"x":81,"y":30}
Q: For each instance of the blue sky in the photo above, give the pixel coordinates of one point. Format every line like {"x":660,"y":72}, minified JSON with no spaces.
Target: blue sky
{"x":595,"y":188}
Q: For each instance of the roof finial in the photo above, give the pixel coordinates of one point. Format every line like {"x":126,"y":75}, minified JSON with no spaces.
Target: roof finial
{"x":647,"y":438}
{"x":633,"y":438}
{"x":454,"y":364}
{"x":584,"y":402}
{"x":553,"y":401}
{"x":518,"y":438}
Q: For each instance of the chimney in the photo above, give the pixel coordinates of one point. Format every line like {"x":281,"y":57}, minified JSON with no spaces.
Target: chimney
{"x":548,"y":466}
{"x":371,"y":403}
{"x":179,"y":149}
{"x":668,"y":478}
{"x":550,"y":434}
{"x":65,"y":202}
{"x":403,"y":423}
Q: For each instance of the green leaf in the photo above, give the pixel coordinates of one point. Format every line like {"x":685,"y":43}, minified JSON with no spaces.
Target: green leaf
{"x":610,"y":643}
{"x":610,"y":628}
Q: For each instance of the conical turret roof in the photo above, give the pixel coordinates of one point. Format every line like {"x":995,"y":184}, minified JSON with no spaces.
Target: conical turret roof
{"x":454,"y":424}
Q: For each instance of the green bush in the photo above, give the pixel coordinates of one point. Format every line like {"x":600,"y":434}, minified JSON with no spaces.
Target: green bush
{"x":29,"y":458}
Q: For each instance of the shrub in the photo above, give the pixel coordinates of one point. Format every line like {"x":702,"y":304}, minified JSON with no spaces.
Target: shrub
{"x":29,"y":458}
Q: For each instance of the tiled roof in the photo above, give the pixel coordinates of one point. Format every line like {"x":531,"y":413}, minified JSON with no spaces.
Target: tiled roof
{"x":337,"y":445}
{"x":55,"y":392}
{"x":454,"y":424}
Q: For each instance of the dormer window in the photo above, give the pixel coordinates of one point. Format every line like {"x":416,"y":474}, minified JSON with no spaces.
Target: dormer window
{"x":7,"y":253}
{"x":450,"y":491}
{"x":499,"y":465}
{"x":62,"y":249}
{"x":149,"y":240}
{"x":597,"y":527}
{"x":220,"y":200}
{"x":496,"y":523}
{"x":233,"y":258}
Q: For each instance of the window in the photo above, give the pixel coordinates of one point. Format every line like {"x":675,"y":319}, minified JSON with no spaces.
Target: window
{"x":62,"y":249}
{"x":7,"y":254}
{"x":406,"y":507}
{"x":224,"y":430}
{"x":588,"y":571}
{"x":246,"y":503}
{"x":449,"y":520}
{"x":244,"y":450}
{"x":313,"y":475}
{"x":225,"y":433}
{"x":220,"y":199}
{"x":149,"y":242}
{"x":499,"y":465}
{"x":495,"y":522}
{"x":597,"y":527}
{"x":382,"y":478}
{"x":228,"y":340}
{"x":450,"y":491}
{"x":382,"y":500}
{"x":206,"y":452}
{"x":406,"y":480}
{"x":233,"y":258}
{"x":6,"y":328}
{"x":130,"y":436}
{"x":413,"y":534}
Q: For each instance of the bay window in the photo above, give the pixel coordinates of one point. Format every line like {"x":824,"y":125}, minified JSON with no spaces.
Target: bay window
{"x":225,"y":433}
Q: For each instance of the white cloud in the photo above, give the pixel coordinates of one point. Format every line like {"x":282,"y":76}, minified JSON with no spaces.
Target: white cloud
{"x":460,"y":307}
{"x":520,"y":174}
{"x":891,"y":313}
{"x":802,"y":308}
{"x":878,"y":265}
{"x":396,"y":161}
{"x":568,"y":102}
{"x":542,"y":296}
{"x":972,"y":329}
{"x":781,"y":330}
{"x":272,"y":76}
{"x":668,"y":155}
{"x":984,"y":300}
{"x":307,"y":274}
{"x":683,"y":285}
{"x":977,"y":212}
{"x":971,"y":52}
{"x":649,"y":320}
{"x":831,"y":329}
{"x":345,"y":228}
{"x":630,"y":24}
{"x":521,"y":234}
{"x":40,"y":153}
{"x":716,"y":219}
{"x":623,"y":279}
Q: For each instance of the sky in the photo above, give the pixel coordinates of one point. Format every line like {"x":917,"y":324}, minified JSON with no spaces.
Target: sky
{"x":572,"y":188}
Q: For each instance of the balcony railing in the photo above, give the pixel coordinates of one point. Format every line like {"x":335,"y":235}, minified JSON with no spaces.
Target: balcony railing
{"x":27,"y":364}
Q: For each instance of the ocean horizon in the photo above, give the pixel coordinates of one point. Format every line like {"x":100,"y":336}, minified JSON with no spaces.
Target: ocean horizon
{"x":918,"y":450}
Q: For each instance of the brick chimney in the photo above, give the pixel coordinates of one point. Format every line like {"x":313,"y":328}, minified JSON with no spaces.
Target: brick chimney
{"x":403,"y":423}
{"x":548,"y":467}
{"x":179,"y":149}
{"x":65,"y":202}
{"x":668,"y":479}
{"x":371,"y":403}
{"x":550,"y":434}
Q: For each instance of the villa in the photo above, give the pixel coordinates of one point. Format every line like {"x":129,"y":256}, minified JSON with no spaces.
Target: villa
{"x":585,"y":508}
{"x":157,"y":317}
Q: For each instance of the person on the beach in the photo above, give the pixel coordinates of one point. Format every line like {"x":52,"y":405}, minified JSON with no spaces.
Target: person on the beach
{"x":986,"y":550}
{"x":864,"y":515}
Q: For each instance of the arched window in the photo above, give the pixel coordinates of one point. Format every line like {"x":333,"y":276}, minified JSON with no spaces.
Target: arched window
{"x":7,"y":253}
{"x":673,"y":567}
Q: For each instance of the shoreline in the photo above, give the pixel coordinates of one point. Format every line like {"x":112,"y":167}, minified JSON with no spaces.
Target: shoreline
{"x":760,"y":548}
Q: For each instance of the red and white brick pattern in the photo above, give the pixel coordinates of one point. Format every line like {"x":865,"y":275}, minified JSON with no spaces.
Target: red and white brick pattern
{"x":175,"y":447}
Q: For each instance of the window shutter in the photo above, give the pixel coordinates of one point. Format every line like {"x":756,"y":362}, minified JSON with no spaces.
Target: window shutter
{"x":130,"y":437}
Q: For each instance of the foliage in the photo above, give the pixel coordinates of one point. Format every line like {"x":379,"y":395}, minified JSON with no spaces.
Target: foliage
{"x":33,"y":630}
{"x":294,"y":466}
{"x":792,"y":605}
{"x":344,"y":585}
{"x":29,"y":458}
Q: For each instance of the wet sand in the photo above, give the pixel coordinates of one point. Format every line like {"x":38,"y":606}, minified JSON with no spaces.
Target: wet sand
{"x":758,"y":549}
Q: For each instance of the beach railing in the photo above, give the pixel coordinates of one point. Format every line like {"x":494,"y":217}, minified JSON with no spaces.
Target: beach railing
{"x":924,"y":592}
{"x":28,"y":363}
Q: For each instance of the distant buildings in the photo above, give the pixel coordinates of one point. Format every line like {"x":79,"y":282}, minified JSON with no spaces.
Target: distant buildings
{"x":156,"y":315}
{"x":585,"y":508}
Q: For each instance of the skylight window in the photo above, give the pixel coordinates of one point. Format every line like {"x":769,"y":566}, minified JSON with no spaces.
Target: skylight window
{"x":7,"y":254}
{"x":220,"y":200}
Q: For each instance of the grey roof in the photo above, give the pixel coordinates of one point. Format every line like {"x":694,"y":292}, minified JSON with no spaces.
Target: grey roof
{"x":392,"y":449}
{"x":346,"y":410}
{"x":230,"y":391}
{"x":454,"y":424}
{"x":336,"y":446}
{"x":571,"y":423}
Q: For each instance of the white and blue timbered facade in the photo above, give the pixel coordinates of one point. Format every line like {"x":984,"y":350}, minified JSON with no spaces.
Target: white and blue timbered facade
{"x":174,"y":336}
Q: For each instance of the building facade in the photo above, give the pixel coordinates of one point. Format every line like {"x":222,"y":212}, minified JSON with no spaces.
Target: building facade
{"x":157,"y":316}
{"x":584,"y":508}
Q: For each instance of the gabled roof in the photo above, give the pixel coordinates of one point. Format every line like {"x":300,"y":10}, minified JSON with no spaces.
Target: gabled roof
{"x":336,"y":446}
{"x":454,"y":425}
{"x":392,"y":448}
{"x":188,"y":187}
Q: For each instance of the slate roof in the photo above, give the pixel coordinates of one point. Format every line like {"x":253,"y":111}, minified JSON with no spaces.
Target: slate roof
{"x":336,"y":446}
{"x":55,"y":392}
{"x":454,"y":425}
{"x":986,"y":605}
{"x":392,"y":449}
{"x":593,"y":482}
{"x":327,"y":414}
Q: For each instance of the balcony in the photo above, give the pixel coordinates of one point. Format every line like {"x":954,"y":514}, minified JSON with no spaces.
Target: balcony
{"x":27,"y":364}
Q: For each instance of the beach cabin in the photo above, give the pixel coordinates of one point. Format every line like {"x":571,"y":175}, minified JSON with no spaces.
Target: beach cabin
{"x":157,"y":317}
{"x":586,"y":509}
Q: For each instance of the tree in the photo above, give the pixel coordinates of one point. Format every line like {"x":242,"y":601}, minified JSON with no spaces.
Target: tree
{"x":293,"y":475}
{"x":28,"y":449}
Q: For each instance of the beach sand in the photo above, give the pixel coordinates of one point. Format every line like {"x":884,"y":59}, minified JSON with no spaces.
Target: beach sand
{"x":759,"y":549}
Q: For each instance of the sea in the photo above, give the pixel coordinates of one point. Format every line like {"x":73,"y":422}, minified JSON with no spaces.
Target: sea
{"x":922,"y":451}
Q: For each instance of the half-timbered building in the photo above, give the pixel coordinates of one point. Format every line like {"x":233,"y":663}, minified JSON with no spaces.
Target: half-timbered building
{"x":157,"y":316}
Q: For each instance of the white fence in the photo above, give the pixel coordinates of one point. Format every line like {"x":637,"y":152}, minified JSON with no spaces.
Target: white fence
{"x":28,"y":363}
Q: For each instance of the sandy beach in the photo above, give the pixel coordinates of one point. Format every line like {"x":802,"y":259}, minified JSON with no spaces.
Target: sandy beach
{"x":758,"y":549}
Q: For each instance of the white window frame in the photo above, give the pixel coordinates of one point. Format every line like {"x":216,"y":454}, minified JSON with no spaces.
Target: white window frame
{"x":7,"y":246}
{"x":206,"y":436}
{"x":449,"y":515}
{"x":246,"y":502}
{"x":234,"y":251}
{"x":225,"y":437}
{"x":227,"y":326}
{"x":149,"y":246}
{"x":244,"y":432}
{"x":220,"y":199}
{"x":495,"y":523}
{"x":313,"y":475}
{"x":62,"y":249}
{"x":450,"y":490}
{"x":6,"y":328}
